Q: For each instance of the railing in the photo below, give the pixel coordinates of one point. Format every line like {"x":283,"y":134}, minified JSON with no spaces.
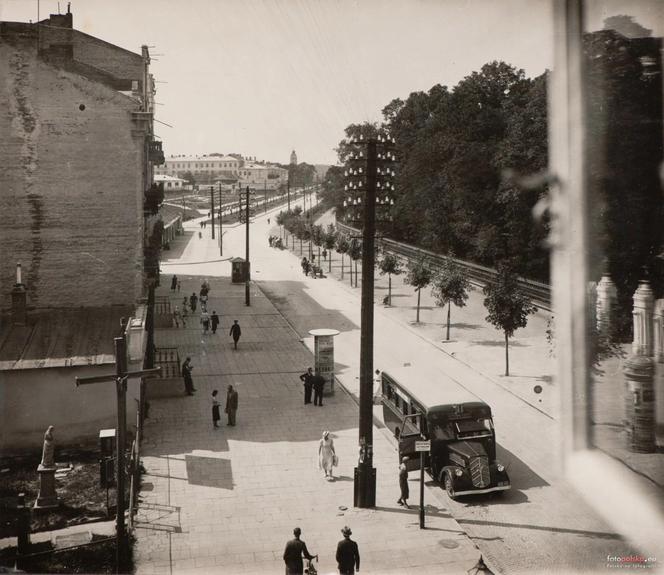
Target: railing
{"x":169,"y":360}
{"x":539,"y":293}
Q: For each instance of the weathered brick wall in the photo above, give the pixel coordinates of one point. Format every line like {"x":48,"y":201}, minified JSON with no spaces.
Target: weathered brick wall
{"x":71,"y":195}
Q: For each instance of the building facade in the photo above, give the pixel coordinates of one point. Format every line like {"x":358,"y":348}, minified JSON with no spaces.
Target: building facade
{"x":81,"y":217}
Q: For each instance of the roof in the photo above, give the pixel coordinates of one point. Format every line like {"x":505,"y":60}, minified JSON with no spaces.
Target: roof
{"x":63,"y":337}
{"x":201,"y":159}
{"x":430,"y":386}
{"x":165,"y":178}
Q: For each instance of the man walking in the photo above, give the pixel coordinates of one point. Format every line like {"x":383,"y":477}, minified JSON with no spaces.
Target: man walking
{"x":308,"y":380}
{"x":295,"y":548}
{"x":236,"y":332}
{"x":193,"y":299}
{"x":214,"y":321}
{"x":205,"y":321}
{"x":231,"y":405}
{"x":319,"y":384}
{"x":348,"y":555}
{"x":186,"y":375}
{"x":174,"y":282}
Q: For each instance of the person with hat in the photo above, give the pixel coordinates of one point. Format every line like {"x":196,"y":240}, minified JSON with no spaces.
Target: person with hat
{"x":403,"y":483}
{"x":348,"y":554}
{"x":295,"y":548}
{"x":307,"y":379}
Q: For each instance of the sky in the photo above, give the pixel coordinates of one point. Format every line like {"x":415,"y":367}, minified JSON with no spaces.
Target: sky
{"x":263,"y":77}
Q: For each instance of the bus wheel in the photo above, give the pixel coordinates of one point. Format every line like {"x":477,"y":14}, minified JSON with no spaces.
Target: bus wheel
{"x":449,"y":486}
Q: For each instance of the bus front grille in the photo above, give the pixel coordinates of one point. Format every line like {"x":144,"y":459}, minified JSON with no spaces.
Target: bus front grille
{"x":479,"y":471}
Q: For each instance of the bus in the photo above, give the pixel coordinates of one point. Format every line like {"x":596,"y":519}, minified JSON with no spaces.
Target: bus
{"x":459,"y":426}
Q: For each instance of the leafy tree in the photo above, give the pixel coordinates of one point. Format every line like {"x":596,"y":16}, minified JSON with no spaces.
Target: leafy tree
{"x":419,"y":275}
{"x":280,"y":219}
{"x":390,"y":265}
{"x":317,"y":236}
{"x":343,"y":245}
{"x":355,"y":253}
{"x":188,"y":177}
{"x":507,"y":305}
{"x":329,"y":240}
{"x":450,"y":286}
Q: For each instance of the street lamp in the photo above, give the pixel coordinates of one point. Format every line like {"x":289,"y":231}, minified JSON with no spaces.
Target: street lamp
{"x":369,"y":173}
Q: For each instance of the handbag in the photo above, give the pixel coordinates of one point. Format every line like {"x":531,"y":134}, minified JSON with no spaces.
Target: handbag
{"x":335,"y":460}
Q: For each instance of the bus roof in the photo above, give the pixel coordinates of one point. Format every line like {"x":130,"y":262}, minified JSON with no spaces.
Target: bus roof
{"x":431,"y":387}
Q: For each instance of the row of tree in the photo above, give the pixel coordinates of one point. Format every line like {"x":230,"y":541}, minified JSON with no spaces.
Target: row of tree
{"x":507,"y":306}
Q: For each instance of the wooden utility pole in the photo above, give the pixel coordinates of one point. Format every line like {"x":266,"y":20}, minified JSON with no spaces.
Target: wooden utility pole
{"x":221,"y":218}
{"x":120,"y":377}
{"x":212,"y":208}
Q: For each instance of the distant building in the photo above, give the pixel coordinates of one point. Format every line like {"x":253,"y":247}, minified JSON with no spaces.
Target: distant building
{"x":170,"y":183}
{"x":80,"y":213}
{"x":293,"y":158}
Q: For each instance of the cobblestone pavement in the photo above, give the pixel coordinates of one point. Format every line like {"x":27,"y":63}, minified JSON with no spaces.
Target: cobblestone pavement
{"x":226,"y":500}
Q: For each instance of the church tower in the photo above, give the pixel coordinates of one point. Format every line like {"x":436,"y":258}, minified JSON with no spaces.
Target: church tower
{"x":293,"y":158}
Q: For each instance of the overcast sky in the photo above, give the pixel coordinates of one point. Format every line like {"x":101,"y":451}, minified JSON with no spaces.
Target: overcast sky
{"x":262,"y":77}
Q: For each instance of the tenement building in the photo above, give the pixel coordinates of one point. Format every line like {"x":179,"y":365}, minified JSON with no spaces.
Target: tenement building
{"x":80,"y":216}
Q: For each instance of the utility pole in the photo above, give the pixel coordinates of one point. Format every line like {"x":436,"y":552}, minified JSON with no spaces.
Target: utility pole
{"x":247,"y":216}
{"x":288,"y":191}
{"x":120,"y":378}
{"x":221,"y":217}
{"x":212,"y":208}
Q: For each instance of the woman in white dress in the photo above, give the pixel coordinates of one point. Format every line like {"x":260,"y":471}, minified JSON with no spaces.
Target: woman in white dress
{"x":326,"y":454}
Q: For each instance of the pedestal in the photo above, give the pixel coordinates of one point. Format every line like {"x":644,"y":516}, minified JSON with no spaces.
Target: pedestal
{"x":47,"y":498}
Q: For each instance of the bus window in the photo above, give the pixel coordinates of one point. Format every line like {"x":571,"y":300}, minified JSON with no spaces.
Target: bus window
{"x":410,"y":426}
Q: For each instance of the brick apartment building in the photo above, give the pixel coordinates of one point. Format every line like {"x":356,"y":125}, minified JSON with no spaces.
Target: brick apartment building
{"x":80,"y":214}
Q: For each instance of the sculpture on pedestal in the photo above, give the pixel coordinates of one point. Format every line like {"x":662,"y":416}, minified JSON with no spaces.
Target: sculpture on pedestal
{"x":47,"y":497}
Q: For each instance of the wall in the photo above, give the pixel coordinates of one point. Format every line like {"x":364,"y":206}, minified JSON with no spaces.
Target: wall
{"x":72,"y":197}
{"x":77,"y":413}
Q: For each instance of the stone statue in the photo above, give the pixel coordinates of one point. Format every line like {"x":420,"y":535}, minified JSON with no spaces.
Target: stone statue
{"x":48,"y":459}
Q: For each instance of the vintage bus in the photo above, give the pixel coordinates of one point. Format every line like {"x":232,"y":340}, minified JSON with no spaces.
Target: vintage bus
{"x":459,"y":426}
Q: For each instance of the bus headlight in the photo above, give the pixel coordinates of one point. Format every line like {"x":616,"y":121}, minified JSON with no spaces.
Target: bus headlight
{"x":500,"y":467}
{"x":458,"y":472}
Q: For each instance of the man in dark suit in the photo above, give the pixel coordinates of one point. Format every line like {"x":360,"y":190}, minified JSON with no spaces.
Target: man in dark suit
{"x":308,"y":380}
{"x":231,"y":405}
{"x":186,"y":375}
{"x":295,"y":548}
{"x":319,"y":384}
{"x":348,"y":555}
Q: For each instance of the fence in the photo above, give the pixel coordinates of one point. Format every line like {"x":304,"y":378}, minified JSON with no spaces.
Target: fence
{"x":539,"y":293}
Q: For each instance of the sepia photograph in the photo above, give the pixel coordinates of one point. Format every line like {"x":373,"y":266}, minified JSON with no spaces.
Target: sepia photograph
{"x":332,"y":286}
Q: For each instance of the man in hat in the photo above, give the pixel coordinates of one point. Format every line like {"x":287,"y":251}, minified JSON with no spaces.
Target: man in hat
{"x":231,"y":405}
{"x":348,"y":555}
{"x":307,"y":379}
{"x":235,"y":332}
{"x":319,"y":383}
{"x":295,"y":548}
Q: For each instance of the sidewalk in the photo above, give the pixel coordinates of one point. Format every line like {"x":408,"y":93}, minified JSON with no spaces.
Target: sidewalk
{"x":226,"y":500}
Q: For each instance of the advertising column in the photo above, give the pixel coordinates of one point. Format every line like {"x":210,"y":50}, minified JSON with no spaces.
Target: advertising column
{"x":324,"y":356}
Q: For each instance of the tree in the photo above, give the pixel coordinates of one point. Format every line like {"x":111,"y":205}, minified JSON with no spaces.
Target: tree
{"x":280,"y":219}
{"x":317,"y":236}
{"x":390,"y":265}
{"x":450,"y":286}
{"x":343,"y":246}
{"x":189,"y":178}
{"x":329,"y":240}
{"x":507,"y":305}
{"x":419,"y":275}
{"x":355,"y":253}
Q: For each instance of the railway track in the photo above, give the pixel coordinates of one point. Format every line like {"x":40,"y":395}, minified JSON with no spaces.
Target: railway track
{"x":538,"y":293}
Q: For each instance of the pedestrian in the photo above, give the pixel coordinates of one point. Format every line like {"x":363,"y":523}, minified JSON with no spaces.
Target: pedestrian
{"x":205,"y":321}
{"x":185,"y":303}
{"x":176,"y":316}
{"x":193,"y":299}
{"x":203,"y":301}
{"x":377,"y":387}
{"x":325,"y":254}
{"x":215,"y":409}
{"x":295,"y":549}
{"x":184,"y":315}
{"x":348,"y":554}
{"x":200,"y":235}
{"x":214,"y":321}
{"x":179,"y":285}
{"x":307,"y":379}
{"x":318,"y":383}
{"x":186,"y":375}
{"x":403,"y":483}
{"x":268,"y":221}
{"x":236,"y":332}
{"x":305,"y":266}
{"x":231,"y":405}
{"x":205,"y":288}
{"x":326,"y":454}
{"x":174,"y":282}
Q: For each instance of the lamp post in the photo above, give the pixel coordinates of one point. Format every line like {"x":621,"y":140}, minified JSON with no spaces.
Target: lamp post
{"x":368,"y":175}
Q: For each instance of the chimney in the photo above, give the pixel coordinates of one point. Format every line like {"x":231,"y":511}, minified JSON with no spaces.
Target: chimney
{"x":19,"y":300}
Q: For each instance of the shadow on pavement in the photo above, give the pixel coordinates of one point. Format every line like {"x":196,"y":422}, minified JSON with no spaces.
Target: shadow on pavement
{"x":209,"y":471}
{"x":177,"y":248}
{"x":550,"y":529}
{"x":301,"y":311}
{"x":497,"y":343}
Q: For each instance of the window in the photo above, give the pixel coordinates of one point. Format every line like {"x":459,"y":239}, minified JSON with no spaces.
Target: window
{"x":605,"y":118}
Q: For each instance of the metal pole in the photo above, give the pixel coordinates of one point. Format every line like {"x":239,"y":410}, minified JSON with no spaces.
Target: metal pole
{"x":221,"y":218}
{"x":366,"y":478}
{"x":265,"y":196}
{"x":212,"y":208}
{"x":421,"y":489}
{"x":247,"y":298}
{"x":121,"y":388}
{"x":288,"y":192}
